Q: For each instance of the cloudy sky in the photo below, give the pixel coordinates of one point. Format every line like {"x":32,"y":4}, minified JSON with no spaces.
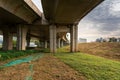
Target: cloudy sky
{"x":103,"y":21}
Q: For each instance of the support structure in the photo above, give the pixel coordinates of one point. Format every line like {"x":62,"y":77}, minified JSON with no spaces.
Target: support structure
{"x":52,"y":31}
{"x":28,"y":40}
{"x":61,"y":43}
{"x":74,"y":38}
{"x":21,"y":37}
{"x":46,"y":44}
{"x":7,"y":39}
{"x":58,"y":42}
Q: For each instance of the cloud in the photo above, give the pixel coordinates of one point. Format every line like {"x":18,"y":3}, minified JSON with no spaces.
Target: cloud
{"x":104,"y":20}
{"x":107,"y":9}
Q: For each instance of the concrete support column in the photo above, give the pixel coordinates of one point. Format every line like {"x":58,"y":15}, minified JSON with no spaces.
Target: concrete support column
{"x":61,"y":43}
{"x":7,"y":39}
{"x":52,"y":31}
{"x":74,"y":38}
{"x":28,"y":41}
{"x":21,"y":37}
{"x":58,"y":42}
{"x":46,"y":44}
{"x":39,"y":43}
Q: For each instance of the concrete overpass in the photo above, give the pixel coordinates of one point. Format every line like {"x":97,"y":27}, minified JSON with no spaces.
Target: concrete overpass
{"x":23,"y":19}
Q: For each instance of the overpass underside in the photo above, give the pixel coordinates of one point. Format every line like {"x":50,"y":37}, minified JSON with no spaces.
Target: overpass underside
{"x":23,"y":19}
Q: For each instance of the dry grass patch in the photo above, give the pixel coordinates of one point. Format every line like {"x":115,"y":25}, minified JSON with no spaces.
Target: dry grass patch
{"x":46,"y":68}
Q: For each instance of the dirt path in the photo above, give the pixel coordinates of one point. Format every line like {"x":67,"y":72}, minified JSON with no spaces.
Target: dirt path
{"x":46,"y":68}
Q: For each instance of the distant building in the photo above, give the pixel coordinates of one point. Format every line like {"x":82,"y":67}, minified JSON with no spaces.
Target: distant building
{"x":111,"y":39}
{"x":118,"y":40}
{"x":82,"y":40}
{"x":101,"y":40}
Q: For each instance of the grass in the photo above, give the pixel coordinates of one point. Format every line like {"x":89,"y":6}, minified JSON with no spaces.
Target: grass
{"x":92,"y":67}
{"x":109,"y":47}
{"x":5,"y":55}
{"x":110,"y":50}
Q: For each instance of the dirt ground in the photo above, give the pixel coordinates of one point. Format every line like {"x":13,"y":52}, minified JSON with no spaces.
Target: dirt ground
{"x":46,"y":68}
{"x":105,"y":49}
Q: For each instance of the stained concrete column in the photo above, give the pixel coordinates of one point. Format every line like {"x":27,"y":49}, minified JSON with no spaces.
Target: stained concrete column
{"x":46,"y":44}
{"x":21,"y":37}
{"x":73,"y":38}
{"x":76,"y":38}
{"x":61,"y":43}
{"x":28,"y":41}
{"x":52,"y":31}
{"x":7,"y":39}
{"x":58,"y":42}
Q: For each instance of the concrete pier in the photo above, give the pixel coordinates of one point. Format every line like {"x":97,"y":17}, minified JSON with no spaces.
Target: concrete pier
{"x":52,"y":30}
{"x":61,"y":43}
{"x":58,"y":42}
{"x":28,"y":38}
{"x":46,"y":44}
{"x":21,"y":37}
{"x":7,"y":39}
{"x":73,"y":38}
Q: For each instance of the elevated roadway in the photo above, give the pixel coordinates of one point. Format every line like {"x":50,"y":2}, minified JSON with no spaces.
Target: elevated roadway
{"x":23,"y":19}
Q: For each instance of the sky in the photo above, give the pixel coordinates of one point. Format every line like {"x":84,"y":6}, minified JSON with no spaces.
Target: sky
{"x":103,"y":21}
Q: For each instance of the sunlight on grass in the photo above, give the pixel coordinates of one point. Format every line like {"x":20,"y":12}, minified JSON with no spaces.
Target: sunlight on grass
{"x":92,"y":67}
{"x":63,"y":49}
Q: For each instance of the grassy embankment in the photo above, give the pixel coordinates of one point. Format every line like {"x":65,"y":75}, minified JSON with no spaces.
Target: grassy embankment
{"x":107,"y":49}
{"x":91,"y":66}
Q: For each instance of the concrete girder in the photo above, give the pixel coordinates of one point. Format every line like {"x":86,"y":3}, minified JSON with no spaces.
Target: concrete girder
{"x":7,"y":18}
{"x":33,"y":6}
{"x":62,"y":35}
{"x":67,"y":12}
{"x":20,"y":9}
{"x":40,"y":32}
{"x":40,"y":21}
{"x":49,"y":8}
{"x":62,"y":29}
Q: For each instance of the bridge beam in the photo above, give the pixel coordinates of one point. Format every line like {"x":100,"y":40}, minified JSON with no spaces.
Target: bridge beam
{"x":21,"y":37}
{"x":52,"y":31}
{"x":20,"y":9}
{"x":73,"y":38}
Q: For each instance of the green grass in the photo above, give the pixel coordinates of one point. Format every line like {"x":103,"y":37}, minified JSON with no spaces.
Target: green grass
{"x":5,"y":55}
{"x":92,"y":67}
{"x":63,"y":49}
